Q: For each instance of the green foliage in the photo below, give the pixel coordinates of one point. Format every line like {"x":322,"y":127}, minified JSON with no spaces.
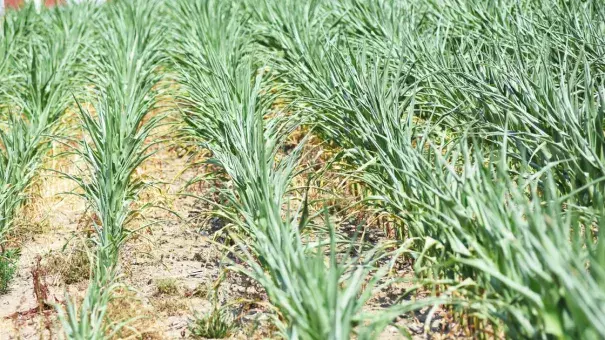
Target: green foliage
{"x":8,"y":267}
{"x":124,"y":69}
{"x":44,"y":73}
{"x":479,"y":124}
{"x":167,"y":287}
{"x":480,"y":127}
{"x":88,"y":321}
{"x":118,"y":126}
{"x":217,"y":324}
{"x":230,"y":110}
{"x":39,"y":74}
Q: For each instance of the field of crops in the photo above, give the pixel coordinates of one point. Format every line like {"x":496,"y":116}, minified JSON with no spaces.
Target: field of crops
{"x":303,"y":169}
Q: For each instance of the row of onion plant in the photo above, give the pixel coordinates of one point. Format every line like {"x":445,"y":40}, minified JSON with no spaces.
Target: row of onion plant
{"x":116,"y":130}
{"x":41,"y":69}
{"x":228,"y":104}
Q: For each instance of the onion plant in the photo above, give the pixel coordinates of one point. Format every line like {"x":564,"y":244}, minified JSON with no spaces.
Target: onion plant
{"x":115,"y":145}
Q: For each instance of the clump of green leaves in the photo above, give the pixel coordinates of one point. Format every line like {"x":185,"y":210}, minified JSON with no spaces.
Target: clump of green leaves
{"x":167,"y":287}
{"x":8,"y":268}
{"x":217,"y":324}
